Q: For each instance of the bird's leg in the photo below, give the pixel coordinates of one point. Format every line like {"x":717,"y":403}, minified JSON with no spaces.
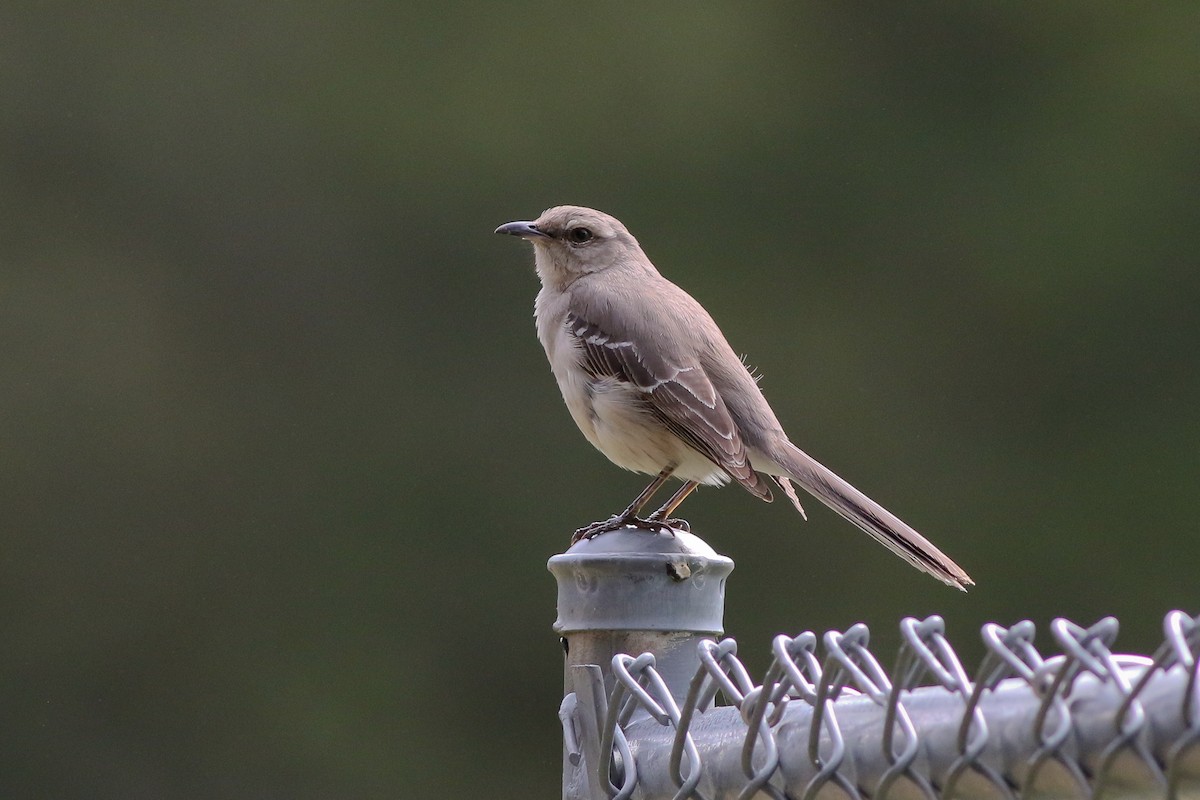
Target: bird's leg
{"x":630,"y":515}
{"x":663,"y":515}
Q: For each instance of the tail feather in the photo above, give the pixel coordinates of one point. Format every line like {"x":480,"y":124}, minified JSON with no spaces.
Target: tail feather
{"x":882,"y":525}
{"x":786,"y":485}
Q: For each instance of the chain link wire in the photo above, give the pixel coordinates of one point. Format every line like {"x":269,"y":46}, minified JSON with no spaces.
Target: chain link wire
{"x":1083,"y":723}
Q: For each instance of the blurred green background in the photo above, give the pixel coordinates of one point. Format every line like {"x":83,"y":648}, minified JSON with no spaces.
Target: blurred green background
{"x":282,"y":461}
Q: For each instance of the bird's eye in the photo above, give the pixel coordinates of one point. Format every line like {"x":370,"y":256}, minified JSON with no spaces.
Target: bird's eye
{"x":579,"y":235}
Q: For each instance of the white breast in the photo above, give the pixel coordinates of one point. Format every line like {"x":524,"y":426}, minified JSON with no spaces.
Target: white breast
{"x":611,"y":413}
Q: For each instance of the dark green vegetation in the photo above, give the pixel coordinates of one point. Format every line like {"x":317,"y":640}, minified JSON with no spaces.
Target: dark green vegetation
{"x":281,"y":461}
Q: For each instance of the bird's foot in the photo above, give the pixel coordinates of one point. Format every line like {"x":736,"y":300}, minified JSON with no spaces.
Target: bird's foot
{"x":672,"y":524}
{"x":613,"y":523}
{"x":618,"y":521}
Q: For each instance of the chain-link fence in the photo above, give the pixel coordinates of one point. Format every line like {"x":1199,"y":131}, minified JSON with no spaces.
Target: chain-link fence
{"x":657,"y":707}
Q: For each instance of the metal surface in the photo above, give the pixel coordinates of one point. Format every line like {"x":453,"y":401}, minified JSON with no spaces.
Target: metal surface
{"x":635,"y":580}
{"x":682,"y":718}
{"x":631,"y":591}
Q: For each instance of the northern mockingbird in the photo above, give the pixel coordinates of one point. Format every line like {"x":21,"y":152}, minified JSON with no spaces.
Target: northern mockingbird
{"x":650,"y":380}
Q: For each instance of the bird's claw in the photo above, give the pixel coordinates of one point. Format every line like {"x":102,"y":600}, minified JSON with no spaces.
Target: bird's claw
{"x":617,"y":522}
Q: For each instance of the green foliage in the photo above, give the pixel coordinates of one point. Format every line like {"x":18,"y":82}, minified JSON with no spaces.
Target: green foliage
{"x":280,"y":458}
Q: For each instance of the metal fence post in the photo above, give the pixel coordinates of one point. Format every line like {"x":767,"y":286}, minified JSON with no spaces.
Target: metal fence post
{"x":628,"y":591}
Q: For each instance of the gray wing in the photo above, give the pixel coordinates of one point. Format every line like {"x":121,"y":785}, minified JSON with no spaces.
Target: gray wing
{"x":679,"y":394}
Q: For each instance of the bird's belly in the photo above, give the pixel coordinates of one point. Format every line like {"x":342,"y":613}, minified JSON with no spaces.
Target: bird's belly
{"x":615,"y":419}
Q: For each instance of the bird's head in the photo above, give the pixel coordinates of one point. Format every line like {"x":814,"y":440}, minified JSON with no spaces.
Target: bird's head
{"x":572,"y":241}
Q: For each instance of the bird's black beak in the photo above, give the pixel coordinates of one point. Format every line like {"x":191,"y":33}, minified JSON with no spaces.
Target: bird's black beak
{"x":526,"y":230}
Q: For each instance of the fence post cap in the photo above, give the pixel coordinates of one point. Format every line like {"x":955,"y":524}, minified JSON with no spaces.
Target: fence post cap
{"x":629,"y":580}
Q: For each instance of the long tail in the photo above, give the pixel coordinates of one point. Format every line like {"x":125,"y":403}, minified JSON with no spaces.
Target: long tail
{"x":882,"y":525}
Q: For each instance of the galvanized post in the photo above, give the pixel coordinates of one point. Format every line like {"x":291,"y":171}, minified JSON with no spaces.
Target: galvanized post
{"x":629,"y":591}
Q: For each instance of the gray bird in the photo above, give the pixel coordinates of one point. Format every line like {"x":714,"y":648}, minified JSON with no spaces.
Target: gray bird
{"x":651,"y":382}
